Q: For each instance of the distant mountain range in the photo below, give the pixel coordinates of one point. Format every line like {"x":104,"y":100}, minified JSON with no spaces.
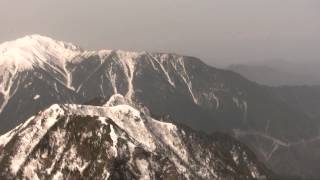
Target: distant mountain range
{"x":280,"y":73}
{"x":36,"y":72}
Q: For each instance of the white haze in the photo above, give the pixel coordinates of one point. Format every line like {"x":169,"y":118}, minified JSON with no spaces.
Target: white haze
{"x":218,"y":31}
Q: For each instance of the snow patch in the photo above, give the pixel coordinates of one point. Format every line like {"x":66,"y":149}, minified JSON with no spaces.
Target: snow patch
{"x":36,"y":97}
{"x":143,"y":167}
{"x":4,"y":139}
{"x":169,"y":135}
{"x":33,"y":134}
{"x":235,"y":155}
{"x":236,"y":101}
{"x":217,"y":101}
{"x":30,"y":170}
{"x":58,"y":176}
{"x":245,"y":109}
{"x":116,"y":99}
{"x":129,"y":119}
{"x":114,"y":138}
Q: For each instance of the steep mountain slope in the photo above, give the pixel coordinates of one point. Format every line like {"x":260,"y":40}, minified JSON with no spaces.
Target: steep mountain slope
{"x":117,"y":141}
{"x":303,"y":98}
{"x":172,"y":86}
{"x":205,"y":98}
{"x":32,"y":76}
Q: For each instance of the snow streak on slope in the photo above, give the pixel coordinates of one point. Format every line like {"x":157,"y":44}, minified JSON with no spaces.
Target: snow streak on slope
{"x":160,"y":62}
{"x":112,"y":77}
{"x":186,"y":78}
{"x":103,"y":55}
{"x":178,"y":66}
{"x":8,"y":78}
{"x":245,"y":109}
{"x":128,"y":61}
{"x":68,"y":77}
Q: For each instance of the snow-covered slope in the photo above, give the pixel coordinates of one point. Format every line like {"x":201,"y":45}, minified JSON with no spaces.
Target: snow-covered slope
{"x":173,"y":86}
{"x":33,"y":53}
{"x":117,"y":141}
{"x":36,"y":50}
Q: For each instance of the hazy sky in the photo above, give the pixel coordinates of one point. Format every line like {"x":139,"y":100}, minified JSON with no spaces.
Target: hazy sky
{"x":217,"y":31}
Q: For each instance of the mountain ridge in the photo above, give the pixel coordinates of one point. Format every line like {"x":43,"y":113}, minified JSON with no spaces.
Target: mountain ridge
{"x":182,"y":88}
{"x":116,"y":126}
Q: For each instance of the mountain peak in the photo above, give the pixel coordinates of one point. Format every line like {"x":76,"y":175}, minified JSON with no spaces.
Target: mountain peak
{"x":25,"y":52}
{"x":36,"y":40}
{"x":35,"y":37}
{"x":77,"y":141}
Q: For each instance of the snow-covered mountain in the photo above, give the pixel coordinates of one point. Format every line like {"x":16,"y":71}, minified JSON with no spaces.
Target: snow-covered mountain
{"x":43,"y":72}
{"x":36,"y":51}
{"x":33,"y":64}
{"x":118,"y":141}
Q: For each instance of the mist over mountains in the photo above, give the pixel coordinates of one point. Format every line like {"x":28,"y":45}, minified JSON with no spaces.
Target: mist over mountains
{"x":279,"y":72}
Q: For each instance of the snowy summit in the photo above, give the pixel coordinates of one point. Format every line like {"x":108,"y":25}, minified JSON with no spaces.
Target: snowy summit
{"x":23,"y":53}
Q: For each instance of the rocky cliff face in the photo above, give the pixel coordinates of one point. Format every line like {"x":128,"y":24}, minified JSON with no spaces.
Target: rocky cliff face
{"x":117,"y":141}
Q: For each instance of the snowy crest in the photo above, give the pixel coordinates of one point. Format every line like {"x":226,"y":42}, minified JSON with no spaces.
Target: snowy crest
{"x":120,"y":132}
{"x":116,"y":99}
{"x":32,"y":50}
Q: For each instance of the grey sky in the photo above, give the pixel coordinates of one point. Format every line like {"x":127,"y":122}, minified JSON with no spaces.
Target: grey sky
{"x":217,"y":31}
